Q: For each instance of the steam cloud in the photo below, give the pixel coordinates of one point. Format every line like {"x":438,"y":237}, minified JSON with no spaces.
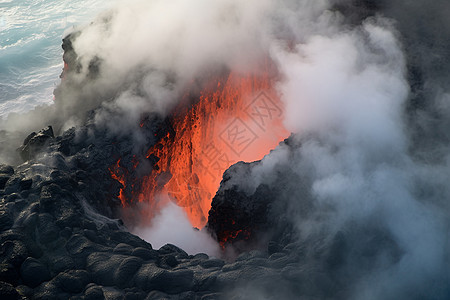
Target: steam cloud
{"x":171,"y":225}
{"x":366,"y":97}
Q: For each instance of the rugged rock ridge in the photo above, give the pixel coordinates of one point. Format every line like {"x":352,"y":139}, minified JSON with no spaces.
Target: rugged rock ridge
{"x":255,"y":219}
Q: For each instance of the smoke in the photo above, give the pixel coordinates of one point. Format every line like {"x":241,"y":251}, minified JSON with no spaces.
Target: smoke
{"x":171,"y":225}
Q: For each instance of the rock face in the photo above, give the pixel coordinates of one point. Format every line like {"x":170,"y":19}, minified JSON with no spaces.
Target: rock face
{"x":248,"y":217}
{"x":35,"y":143}
{"x":237,"y":216}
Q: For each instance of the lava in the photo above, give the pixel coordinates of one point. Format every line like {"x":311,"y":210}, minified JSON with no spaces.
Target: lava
{"x":231,"y":235}
{"x":119,"y":173}
{"x":238,"y":117}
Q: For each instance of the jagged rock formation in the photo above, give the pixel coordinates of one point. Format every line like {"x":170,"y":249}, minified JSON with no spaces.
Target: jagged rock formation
{"x":254,"y":219}
{"x":35,"y":142}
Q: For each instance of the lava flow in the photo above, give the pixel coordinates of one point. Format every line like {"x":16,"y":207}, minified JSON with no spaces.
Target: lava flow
{"x":240,"y":119}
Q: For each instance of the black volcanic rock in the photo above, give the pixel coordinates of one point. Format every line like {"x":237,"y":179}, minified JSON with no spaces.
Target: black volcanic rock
{"x":249,"y":220}
{"x":8,"y":292}
{"x":3,"y":180}
{"x":6,"y":170}
{"x":6,"y":219}
{"x":8,"y":273}
{"x":94,"y":293}
{"x":212,"y":263}
{"x":234,"y":216}
{"x":126,"y":271}
{"x":33,"y":272}
{"x":13,"y":251}
{"x":145,"y":254}
{"x":35,"y":142}
{"x":72,"y":281}
{"x":151,"y":277}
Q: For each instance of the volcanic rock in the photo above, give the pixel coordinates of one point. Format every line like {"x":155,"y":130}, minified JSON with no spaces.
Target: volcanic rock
{"x":13,"y":252}
{"x":3,"y":180}
{"x":123,"y":249}
{"x":8,"y":273}
{"x":6,"y":220}
{"x":248,"y":220}
{"x":212,"y":263}
{"x":36,"y":142}
{"x":126,"y":270}
{"x":94,"y":292}
{"x":8,"y":292}
{"x":33,"y":272}
{"x":80,"y":247}
{"x":6,"y":170}
{"x":103,"y":266}
{"x":72,"y":281}
{"x":145,"y":254}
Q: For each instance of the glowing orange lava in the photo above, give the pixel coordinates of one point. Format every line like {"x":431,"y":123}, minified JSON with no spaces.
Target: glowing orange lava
{"x":239,"y":119}
{"x":117,"y":173}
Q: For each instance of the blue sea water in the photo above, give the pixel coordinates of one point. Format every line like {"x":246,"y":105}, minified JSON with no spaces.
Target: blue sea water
{"x":30,"y":47}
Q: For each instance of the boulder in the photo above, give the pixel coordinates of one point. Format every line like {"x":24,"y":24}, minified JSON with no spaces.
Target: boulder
{"x":172,"y":249}
{"x":6,"y":170}
{"x":80,"y":247}
{"x":35,"y":143}
{"x":150,"y":277}
{"x":212,"y":263}
{"x":6,"y":220}
{"x":72,"y":281}
{"x":94,"y":292}
{"x":3,"y":180}
{"x":123,"y":249}
{"x":103,"y":267}
{"x":126,"y":270}
{"x":33,"y":272}
{"x":13,"y":252}
{"x":145,"y":254}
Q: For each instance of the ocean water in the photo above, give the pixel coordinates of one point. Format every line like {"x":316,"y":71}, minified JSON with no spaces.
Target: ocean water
{"x":30,"y":47}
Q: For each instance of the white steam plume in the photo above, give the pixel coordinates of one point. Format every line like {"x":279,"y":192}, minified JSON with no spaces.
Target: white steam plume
{"x":171,"y":225}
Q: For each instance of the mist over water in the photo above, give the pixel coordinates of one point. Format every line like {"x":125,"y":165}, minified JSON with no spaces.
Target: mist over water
{"x":30,"y":48}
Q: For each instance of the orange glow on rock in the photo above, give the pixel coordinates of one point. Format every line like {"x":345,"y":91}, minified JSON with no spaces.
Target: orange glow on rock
{"x":231,"y":235}
{"x":118,"y":173}
{"x":238,"y":117}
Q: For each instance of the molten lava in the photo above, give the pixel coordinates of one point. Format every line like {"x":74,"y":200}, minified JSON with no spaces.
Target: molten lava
{"x":239,"y":119}
{"x":118,"y":173}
